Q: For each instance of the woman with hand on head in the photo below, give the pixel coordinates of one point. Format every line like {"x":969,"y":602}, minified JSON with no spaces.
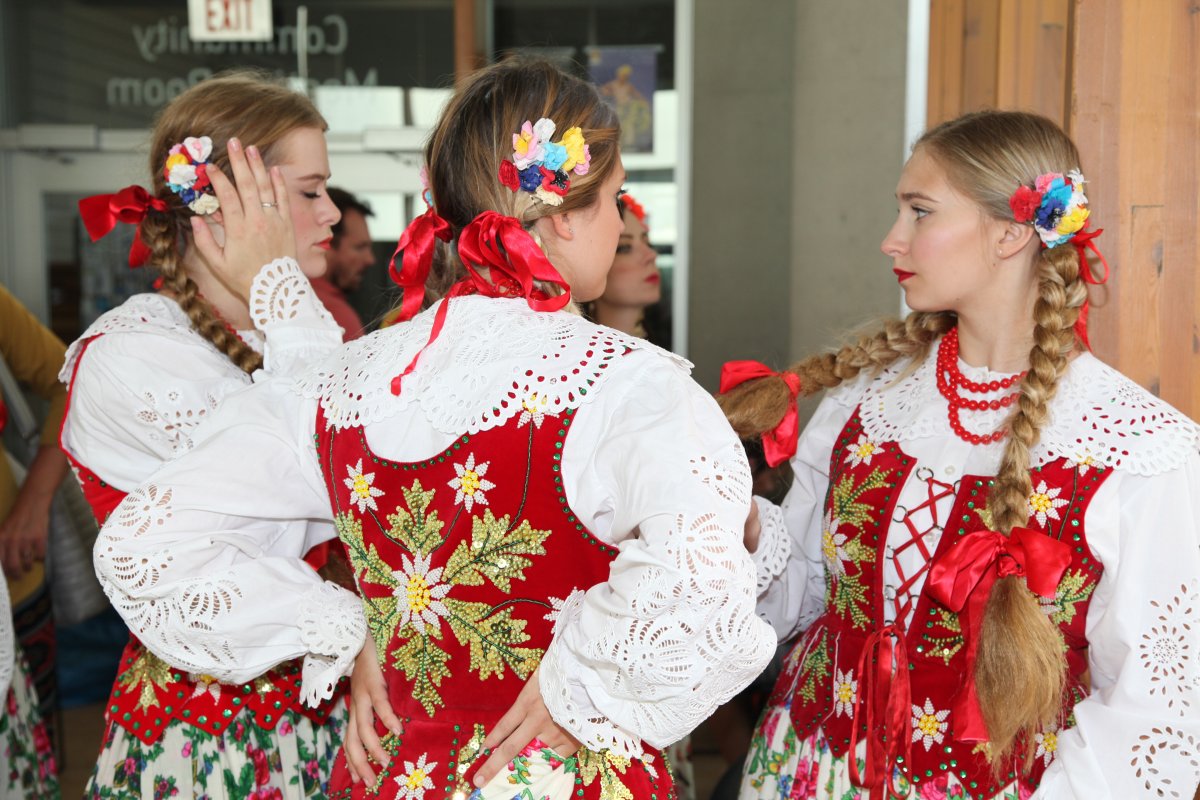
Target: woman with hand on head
{"x":993,"y":535}
{"x":544,"y":516}
{"x":234,"y":299}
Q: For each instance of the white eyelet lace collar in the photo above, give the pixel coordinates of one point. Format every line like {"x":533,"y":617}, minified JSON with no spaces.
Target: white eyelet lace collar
{"x":1097,"y":414}
{"x":146,"y":313}
{"x":493,"y":359}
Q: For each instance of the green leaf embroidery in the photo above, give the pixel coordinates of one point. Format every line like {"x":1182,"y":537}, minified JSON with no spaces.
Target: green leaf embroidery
{"x":424,"y":663}
{"x":815,"y":669}
{"x":417,"y":528}
{"x":846,"y":506}
{"x":945,"y":647}
{"x":494,"y":638}
{"x":1073,"y":589}
{"x":495,"y":552}
{"x":366,"y":562}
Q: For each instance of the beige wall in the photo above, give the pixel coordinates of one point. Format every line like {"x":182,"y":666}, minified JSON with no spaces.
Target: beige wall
{"x":798,"y":143}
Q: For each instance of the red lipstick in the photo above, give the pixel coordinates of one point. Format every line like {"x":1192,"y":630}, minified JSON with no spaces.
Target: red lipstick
{"x":902,"y":275}
{"x":325,"y":244}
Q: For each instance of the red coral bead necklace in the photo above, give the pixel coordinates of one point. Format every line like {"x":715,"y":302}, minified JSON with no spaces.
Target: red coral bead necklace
{"x":950,"y":381}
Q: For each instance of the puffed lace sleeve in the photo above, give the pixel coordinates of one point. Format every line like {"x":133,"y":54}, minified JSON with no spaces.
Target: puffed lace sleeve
{"x":298,"y":328}
{"x":790,"y":596}
{"x":208,"y":573}
{"x":1138,"y":733}
{"x":137,"y":400}
{"x":671,"y":634}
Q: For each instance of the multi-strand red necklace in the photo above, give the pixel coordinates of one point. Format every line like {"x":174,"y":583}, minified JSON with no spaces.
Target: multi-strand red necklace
{"x":950,"y":380}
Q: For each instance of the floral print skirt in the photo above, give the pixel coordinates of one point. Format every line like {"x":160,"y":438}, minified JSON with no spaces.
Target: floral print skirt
{"x":783,"y":766}
{"x":27,"y":768}
{"x":247,"y":762}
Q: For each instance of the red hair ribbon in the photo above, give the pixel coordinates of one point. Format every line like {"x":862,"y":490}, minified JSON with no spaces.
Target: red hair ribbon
{"x":890,"y":694}
{"x":102,"y":212}
{"x":779,"y":443}
{"x":962,"y":578}
{"x":415,"y":249}
{"x":1082,"y":242}
{"x":515,"y":263}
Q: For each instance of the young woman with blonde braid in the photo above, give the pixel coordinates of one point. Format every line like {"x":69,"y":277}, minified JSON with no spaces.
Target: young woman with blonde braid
{"x":145,"y":376}
{"x":994,"y":562}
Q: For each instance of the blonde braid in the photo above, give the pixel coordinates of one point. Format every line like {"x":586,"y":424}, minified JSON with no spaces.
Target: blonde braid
{"x":1020,"y":670}
{"x":159,"y":232}
{"x":757,"y":406}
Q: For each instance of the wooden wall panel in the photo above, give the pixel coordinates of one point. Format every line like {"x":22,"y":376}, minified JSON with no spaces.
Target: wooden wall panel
{"x":998,"y":54}
{"x":1135,"y":119}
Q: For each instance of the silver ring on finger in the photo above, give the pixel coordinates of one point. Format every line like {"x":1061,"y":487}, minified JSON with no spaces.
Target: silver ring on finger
{"x":268,"y":205}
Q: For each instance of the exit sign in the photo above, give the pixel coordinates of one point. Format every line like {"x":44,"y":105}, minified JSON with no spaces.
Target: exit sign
{"x":229,"y":20}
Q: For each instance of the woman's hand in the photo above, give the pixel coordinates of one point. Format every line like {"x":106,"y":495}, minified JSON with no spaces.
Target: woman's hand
{"x":528,"y":719}
{"x":23,"y":536}
{"x":753,"y":528}
{"x":26,"y":529}
{"x":254,"y":217}
{"x":368,"y":700}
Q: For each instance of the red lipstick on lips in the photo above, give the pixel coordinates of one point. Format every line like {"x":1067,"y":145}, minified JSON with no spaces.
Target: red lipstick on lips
{"x":902,"y":275}
{"x":325,"y":244}
{"x":655,"y":278}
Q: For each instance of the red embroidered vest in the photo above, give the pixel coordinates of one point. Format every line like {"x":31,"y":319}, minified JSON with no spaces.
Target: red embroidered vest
{"x":458,"y":559}
{"x":149,"y":694}
{"x":821,"y":674}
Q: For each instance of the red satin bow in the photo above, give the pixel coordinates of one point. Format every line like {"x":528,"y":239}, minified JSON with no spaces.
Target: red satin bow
{"x":961,"y":579}
{"x":889,"y":692}
{"x":1082,"y":242}
{"x":514,"y":262}
{"x":779,"y":443}
{"x":102,"y":212}
{"x":416,"y":248}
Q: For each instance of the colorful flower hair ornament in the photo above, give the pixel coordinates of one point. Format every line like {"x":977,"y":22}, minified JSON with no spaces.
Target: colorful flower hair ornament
{"x":1057,"y":208}
{"x":544,"y":168}
{"x":186,"y":174}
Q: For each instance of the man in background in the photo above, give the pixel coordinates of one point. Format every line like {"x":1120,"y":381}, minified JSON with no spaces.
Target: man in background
{"x":348,"y":257}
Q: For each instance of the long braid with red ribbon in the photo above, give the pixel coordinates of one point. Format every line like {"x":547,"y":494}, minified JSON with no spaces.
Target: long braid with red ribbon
{"x":515,"y":266}
{"x":102,"y":212}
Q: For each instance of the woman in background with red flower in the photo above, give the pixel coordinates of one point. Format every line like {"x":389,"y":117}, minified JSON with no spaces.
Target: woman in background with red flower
{"x":994,"y":553}
{"x":634,"y":283}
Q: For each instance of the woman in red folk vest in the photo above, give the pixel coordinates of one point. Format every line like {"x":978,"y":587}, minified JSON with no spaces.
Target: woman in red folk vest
{"x":994,"y":551}
{"x":145,"y":376}
{"x":544,"y":517}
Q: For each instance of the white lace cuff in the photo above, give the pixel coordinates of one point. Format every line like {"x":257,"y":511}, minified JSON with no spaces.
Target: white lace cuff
{"x":774,"y":544}
{"x":298,"y":328}
{"x":567,"y":700}
{"x":280,"y":292}
{"x":333,"y":628}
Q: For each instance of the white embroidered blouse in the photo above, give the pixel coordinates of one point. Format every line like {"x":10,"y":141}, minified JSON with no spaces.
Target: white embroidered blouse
{"x":150,"y":379}
{"x":208,"y":573}
{"x":1138,"y":733}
